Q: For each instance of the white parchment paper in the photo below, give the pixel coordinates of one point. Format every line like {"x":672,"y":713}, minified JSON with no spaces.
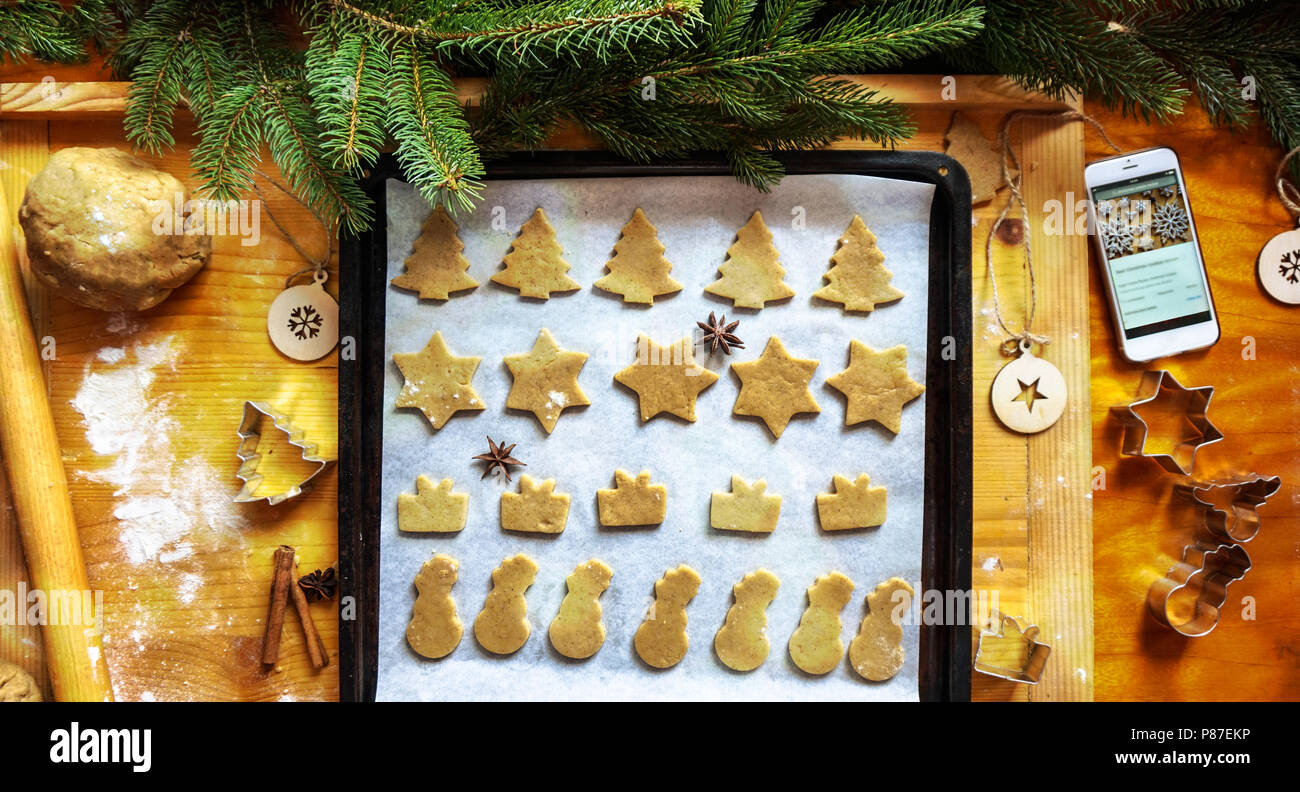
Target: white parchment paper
{"x":697,"y":218}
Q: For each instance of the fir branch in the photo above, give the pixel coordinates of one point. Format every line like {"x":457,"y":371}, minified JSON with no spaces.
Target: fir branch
{"x":46,"y":30}
{"x":345,"y":70}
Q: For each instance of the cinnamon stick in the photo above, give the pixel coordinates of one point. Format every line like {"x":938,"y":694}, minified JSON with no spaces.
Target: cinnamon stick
{"x":281,"y":581}
{"x":315,"y":646}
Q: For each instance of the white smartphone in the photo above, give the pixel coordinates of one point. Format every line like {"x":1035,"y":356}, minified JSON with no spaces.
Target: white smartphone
{"x":1150,"y":255}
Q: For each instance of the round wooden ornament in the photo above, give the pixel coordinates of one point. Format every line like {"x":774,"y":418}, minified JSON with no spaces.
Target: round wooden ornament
{"x":304,"y":320}
{"x":1028,"y":394}
{"x":1279,"y":267}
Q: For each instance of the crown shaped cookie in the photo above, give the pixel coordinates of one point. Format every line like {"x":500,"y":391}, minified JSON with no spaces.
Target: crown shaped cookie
{"x":633,"y":501}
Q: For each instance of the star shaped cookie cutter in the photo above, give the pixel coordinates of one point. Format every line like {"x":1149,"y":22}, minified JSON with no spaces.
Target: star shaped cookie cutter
{"x":249,"y":437}
{"x":1206,"y":569}
{"x":1183,"y":456}
{"x":1240,"y":521}
{"x":1035,"y":659}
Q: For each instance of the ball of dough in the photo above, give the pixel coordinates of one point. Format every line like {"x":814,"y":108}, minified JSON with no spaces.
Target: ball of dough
{"x":101,"y":230}
{"x":16,"y":684}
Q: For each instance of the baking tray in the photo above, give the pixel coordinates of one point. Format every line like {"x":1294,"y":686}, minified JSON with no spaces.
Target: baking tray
{"x":944,"y":649}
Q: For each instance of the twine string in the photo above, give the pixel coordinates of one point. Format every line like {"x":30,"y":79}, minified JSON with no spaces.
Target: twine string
{"x":1286,"y":191}
{"x":318,"y":266}
{"x":1025,"y":337}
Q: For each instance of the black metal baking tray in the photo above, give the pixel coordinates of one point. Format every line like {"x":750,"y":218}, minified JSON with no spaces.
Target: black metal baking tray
{"x":945,"y":660}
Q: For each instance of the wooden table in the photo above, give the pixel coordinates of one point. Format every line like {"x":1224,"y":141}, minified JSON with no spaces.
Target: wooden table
{"x":1033,"y":539}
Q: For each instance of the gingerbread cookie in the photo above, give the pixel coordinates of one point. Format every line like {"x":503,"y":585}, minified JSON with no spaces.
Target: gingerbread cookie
{"x":742,"y":642}
{"x":433,"y":509}
{"x":435,"y":629}
{"x":816,"y":646}
{"x":877,"y":651}
{"x":855,"y":504}
{"x":982,"y":161}
{"x":577,"y":631}
{"x":546,"y":380}
{"x":632,"y":501}
{"x":746,"y":508}
{"x":752,"y":274}
{"x":661,"y":640}
{"x":857,"y":277}
{"x":535,"y":264}
{"x":666,"y":379}
{"x":536,"y":508}
{"x":775,"y":387}
{"x":437,"y":382}
{"x":436,"y":267}
{"x":876,"y":385}
{"x":638,"y":271}
{"x":502,"y":626}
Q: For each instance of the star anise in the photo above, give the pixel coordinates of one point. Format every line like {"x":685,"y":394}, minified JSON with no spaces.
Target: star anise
{"x":319,"y":585}
{"x":499,"y":457}
{"x":717,"y":333}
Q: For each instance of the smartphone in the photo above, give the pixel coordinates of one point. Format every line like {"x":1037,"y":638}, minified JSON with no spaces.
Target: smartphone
{"x":1150,"y":256}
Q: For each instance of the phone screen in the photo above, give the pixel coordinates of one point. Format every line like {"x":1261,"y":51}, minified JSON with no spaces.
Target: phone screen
{"x":1145,"y":229}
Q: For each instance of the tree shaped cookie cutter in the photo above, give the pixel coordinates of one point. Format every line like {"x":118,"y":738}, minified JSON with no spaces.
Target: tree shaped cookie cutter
{"x":1240,"y":521}
{"x":1206,"y":569}
{"x":249,"y":437}
{"x":1183,"y":456}
{"x":1035,"y":656}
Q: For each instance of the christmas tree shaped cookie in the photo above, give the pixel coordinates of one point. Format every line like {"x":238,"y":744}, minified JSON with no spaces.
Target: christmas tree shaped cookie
{"x":437,"y":382}
{"x":435,"y":629}
{"x":436,"y":267}
{"x":816,"y":646}
{"x":577,"y":631}
{"x":746,"y":508}
{"x":877,"y":651}
{"x":535,"y":264}
{"x":638,"y":270}
{"x":876,"y":385}
{"x":433,"y":509}
{"x":752,"y":274}
{"x":632,"y":501}
{"x":855,"y":504}
{"x":857,"y":277}
{"x":666,"y":379}
{"x":742,"y":642}
{"x":536,"y":508}
{"x":546,"y":380}
{"x":775,"y":387}
{"x":661,"y":640}
{"x":502,"y":626}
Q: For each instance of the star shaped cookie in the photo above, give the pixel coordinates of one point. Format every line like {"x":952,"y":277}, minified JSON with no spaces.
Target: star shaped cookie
{"x":666,"y":378}
{"x":877,"y":385}
{"x":437,"y":382}
{"x":546,"y":380}
{"x":775,"y":387}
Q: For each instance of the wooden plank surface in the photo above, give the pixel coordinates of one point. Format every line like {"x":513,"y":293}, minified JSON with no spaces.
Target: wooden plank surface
{"x":218,"y":322}
{"x":1139,"y":529}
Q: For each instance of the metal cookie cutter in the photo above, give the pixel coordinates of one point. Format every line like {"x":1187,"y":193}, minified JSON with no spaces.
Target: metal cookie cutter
{"x":1206,"y":570}
{"x":1240,"y":522}
{"x":1017,"y":656}
{"x":1153,"y":384}
{"x":250,"y":436}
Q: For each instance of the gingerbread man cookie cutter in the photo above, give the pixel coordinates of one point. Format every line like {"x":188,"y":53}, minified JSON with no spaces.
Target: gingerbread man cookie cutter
{"x":1034,"y":657}
{"x":250,"y":434}
{"x":1206,"y":569}
{"x":1239,"y":522}
{"x":1183,"y":455}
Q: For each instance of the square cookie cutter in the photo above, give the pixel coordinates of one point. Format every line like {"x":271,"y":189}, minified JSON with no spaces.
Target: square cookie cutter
{"x":1183,"y":456}
{"x":250,"y":435}
{"x":1035,"y":659}
{"x":1206,"y":569}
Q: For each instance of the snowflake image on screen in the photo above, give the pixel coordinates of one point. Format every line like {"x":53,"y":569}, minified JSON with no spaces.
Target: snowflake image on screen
{"x":1290,"y":267}
{"x":1170,"y":222}
{"x":1117,"y":234}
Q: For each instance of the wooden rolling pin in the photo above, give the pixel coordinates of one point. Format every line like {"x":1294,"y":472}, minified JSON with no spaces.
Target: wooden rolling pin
{"x":74,"y":652}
